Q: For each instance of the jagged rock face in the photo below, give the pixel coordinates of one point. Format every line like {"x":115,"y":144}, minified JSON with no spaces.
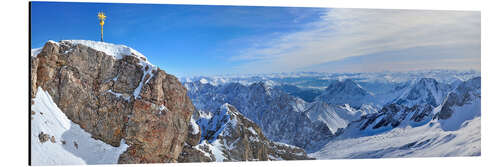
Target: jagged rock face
{"x":424,"y":91}
{"x":97,"y":91}
{"x":280,"y":115}
{"x":226,"y":135}
{"x":33,"y":76}
{"x":395,"y":114}
{"x":466,"y":92}
{"x":389,"y":117}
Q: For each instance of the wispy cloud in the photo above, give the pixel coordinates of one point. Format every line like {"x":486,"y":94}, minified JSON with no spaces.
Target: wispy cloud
{"x":347,"y":33}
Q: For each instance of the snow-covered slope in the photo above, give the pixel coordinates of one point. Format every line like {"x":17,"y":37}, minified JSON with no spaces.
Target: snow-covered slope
{"x":415,"y":107}
{"x":323,"y":112}
{"x":429,"y":140}
{"x":337,"y":116}
{"x":71,"y":144}
{"x":342,"y":102}
{"x":389,"y":117}
{"x":462,"y":104}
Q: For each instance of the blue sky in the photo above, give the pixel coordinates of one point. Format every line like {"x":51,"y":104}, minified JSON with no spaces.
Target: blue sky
{"x":188,"y":40}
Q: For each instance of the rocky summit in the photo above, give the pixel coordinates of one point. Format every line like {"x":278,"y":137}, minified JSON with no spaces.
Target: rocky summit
{"x":116,"y":97}
{"x":113,"y":93}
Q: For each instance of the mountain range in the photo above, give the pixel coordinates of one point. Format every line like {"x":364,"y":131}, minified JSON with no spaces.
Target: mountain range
{"x":100,"y":103}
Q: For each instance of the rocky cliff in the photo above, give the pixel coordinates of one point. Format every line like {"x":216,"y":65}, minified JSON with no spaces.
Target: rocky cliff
{"x":114,"y":93}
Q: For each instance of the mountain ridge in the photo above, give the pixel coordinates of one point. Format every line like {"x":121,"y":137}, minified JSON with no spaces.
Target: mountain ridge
{"x":279,"y":114}
{"x":113,"y":93}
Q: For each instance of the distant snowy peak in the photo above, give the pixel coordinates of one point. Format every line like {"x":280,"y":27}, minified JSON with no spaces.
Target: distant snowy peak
{"x":265,"y":87}
{"x":346,"y":85}
{"x":346,"y":92}
{"x":198,"y":85}
{"x":321,"y":80}
{"x":424,"y":91}
{"x":218,"y":80}
{"x":203,"y":81}
{"x":323,"y":112}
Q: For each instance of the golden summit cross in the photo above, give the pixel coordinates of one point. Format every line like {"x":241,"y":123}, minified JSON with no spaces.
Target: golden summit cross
{"x":101,"y":17}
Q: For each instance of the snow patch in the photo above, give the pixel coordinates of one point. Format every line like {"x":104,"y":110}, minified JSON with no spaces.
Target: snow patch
{"x":216,"y":148}
{"x":196,"y":128}
{"x":203,"y":81}
{"x":252,"y":130}
{"x":197,"y":147}
{"x":145,"y":73}
{"x":35,"y":52}
{"x":49,"y":119}
{"x":285,"y":145}
{"x":54,"y":42}
{"x":271,"y":157}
